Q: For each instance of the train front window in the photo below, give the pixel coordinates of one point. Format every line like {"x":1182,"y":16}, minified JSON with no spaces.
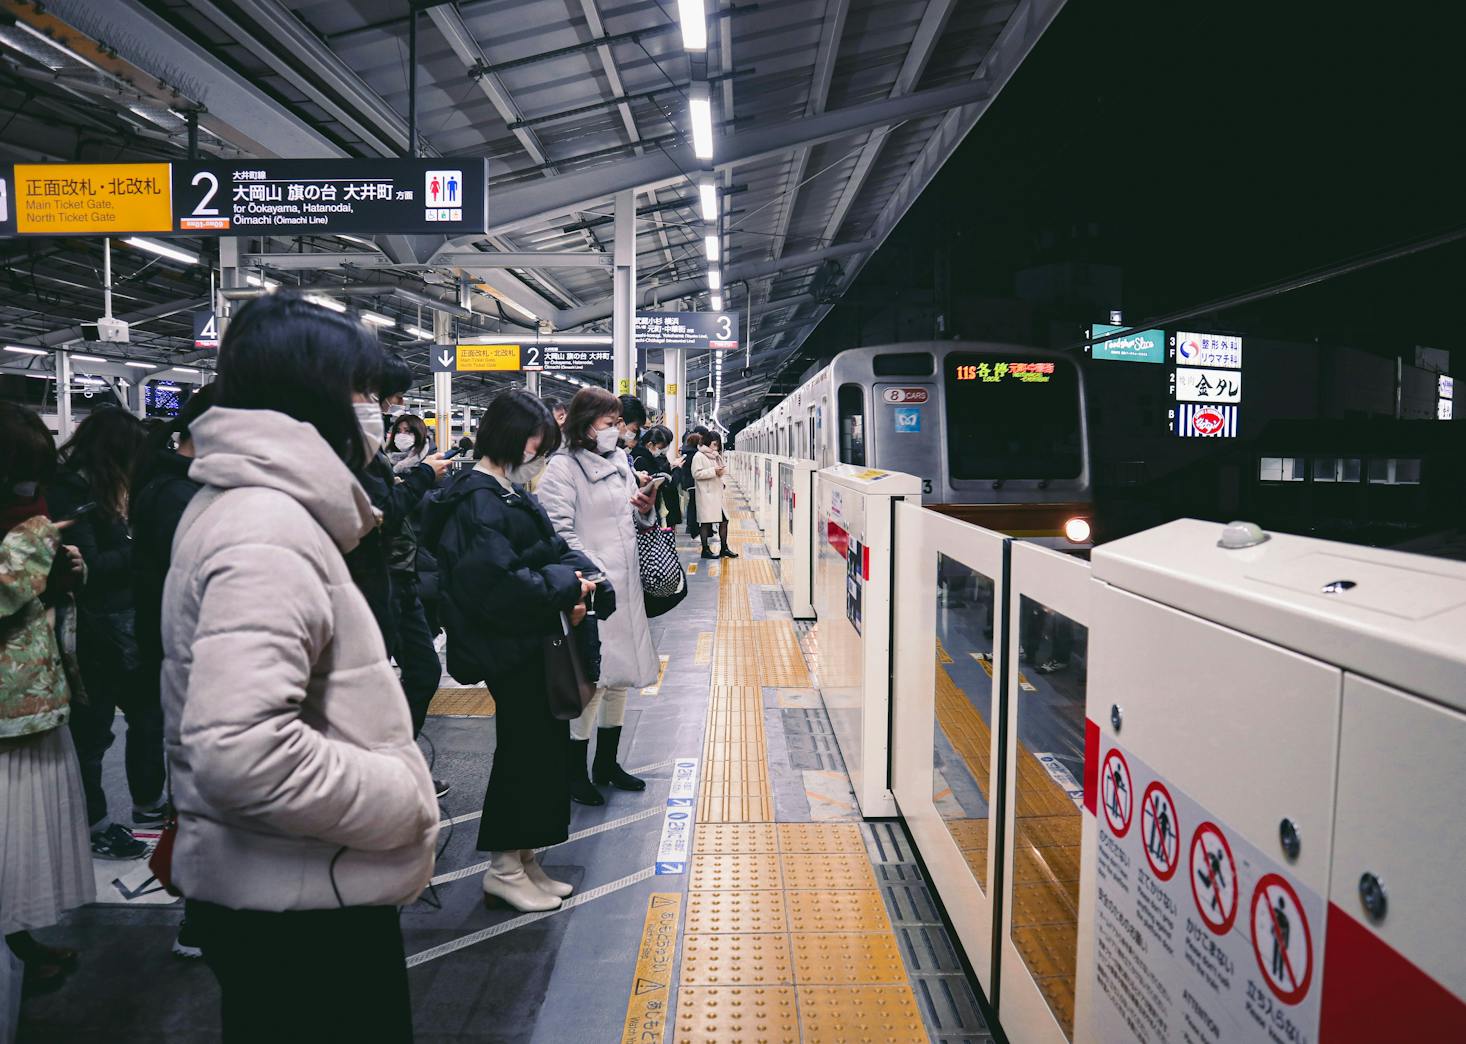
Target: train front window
{"x":1012,"y":417}
{"x":852,"y":424}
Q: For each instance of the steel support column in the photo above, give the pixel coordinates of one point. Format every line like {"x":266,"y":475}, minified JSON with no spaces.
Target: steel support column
{"x":229,"y":279}
{"x":443,"y":384}
{"x":63,"y":395}
{"x":623,"y":318}
{"x":674,"y":376}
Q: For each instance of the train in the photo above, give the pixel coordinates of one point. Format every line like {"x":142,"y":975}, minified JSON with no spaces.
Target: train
{"x":998,"y":433}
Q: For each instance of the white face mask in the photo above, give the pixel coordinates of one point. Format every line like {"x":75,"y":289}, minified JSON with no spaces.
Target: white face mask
{"x":607,"y":439}
{"x":529,"y":456}
{"x":369,"y":416}
{"x":404,"y":440}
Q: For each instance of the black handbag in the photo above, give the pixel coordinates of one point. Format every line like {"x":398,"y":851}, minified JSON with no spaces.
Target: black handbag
{"x":661,"y":569}
{"x":566,"y":684}
{"x":656,"y":605}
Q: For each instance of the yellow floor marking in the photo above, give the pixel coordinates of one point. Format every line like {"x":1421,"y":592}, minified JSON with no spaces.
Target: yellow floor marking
{"x":692,"y":568}
{"x":831,"y":1014}
{"x":653,"y":690}
{"x":473,"y":703}
{"x":736,"y":960}
{"x":651,"y":985}
{"x":846,"y":958}
{"x":704,"y":654}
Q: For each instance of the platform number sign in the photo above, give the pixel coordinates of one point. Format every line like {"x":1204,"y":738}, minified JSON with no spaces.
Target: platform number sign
{"x":1281,"y":939}
{"x":206,"y":329}
{"x":1116,"y":792}
{"x":1160,"y":831}
{"x":1214,"y":878}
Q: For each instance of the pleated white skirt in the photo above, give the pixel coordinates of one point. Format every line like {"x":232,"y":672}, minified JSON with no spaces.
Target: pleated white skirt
{"x":45,"y":853}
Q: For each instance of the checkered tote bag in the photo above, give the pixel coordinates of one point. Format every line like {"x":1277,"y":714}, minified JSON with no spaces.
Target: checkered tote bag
{"x":661,"y":569}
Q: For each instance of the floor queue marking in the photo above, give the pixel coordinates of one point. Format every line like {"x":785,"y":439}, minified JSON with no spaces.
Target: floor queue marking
{"x":1280,"y":927}
{"x":1214,"y":878}
{"x":1117,"y":793}
{"x":651,"y":984}
{"x":1160,"y":831}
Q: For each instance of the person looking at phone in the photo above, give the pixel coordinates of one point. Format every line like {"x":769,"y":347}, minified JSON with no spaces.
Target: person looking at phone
{"x":507,"y":578}
{"x":593,"y":498}
{"x":708,"y":469}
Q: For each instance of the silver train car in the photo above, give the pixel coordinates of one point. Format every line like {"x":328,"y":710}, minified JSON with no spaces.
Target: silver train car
{"x":997,"y":433}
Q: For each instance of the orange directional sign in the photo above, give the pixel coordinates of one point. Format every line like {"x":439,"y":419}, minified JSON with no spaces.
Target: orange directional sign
{"x":107,"y":199}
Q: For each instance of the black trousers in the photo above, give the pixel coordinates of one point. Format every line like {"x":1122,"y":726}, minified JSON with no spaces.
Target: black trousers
{"x":91,"y":731}
{"x":527,"y":803}
{"x":415,"y":653}
{"x":307,"y":975}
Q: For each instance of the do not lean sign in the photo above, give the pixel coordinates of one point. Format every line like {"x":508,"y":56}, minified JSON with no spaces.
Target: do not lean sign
{"x":1281,"y":940}
{"x":1160,"y":831}
{"x":1116,"y":793}
{"x":1214,"y":878}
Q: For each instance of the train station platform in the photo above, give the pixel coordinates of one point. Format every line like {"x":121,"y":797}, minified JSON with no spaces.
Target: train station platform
{"x":786,"y":918}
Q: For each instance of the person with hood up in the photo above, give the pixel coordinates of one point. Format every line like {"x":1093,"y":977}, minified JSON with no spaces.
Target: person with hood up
{"x":708,"y":468}
{"x":591,"y":495}
{"x":306,"y":815}
{"x":507,"y":579}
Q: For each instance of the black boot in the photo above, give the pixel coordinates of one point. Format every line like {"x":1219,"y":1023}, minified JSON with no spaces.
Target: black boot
{"x":606,"y":771}
{"x":707,"y":552}
{"x":581,"y":790}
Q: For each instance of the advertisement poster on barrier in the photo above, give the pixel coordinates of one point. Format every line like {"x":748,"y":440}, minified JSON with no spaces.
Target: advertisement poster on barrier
{"x":1199,"y":935}
{"x":854,"y":584}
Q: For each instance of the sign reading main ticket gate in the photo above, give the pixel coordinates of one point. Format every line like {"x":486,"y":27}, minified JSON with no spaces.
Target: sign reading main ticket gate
{"x":1199,"y":936}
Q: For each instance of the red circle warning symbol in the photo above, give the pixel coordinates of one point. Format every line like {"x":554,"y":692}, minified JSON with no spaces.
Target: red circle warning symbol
{"x":1214,"y":878}
{"x":1281,"y":939}
{"x":1160,"y":831}
{"x":1116,"y":793}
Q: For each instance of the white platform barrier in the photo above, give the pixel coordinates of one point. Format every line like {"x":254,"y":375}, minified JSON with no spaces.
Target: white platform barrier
{"x":852,"y":591}
{"x":794,"y":540}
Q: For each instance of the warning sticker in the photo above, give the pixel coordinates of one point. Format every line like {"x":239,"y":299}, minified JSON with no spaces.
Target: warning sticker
{"x":1221,"y":950}
{"x":646,"y":1008}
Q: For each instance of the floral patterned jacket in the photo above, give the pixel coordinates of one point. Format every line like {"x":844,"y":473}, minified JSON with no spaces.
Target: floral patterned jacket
{"x":34,"y":694}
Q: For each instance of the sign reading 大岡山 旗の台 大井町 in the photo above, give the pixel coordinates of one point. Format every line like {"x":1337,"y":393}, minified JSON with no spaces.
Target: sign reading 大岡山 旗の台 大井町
{"x":247,"y":197}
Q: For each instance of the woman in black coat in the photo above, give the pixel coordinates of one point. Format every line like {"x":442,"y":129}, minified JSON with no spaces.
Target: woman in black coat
{"x":506,"y":578}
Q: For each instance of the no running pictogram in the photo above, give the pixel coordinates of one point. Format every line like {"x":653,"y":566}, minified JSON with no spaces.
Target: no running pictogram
{"x":1116,"y":793}
{"x":1214,"y":878}
{"x":1160,"y":831}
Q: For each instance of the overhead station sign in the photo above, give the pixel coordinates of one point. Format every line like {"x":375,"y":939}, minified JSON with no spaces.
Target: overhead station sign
{"x":699,"y":331}
{"x":1144,"y":346}
{"x":518,"y":358}
{"x":246,"y":197}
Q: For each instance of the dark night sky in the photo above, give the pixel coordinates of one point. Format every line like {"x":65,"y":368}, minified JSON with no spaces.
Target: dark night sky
{"x":1220,"y":147}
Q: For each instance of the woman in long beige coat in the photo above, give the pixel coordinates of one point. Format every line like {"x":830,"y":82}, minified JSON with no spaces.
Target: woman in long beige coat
{"x":708,"y":468}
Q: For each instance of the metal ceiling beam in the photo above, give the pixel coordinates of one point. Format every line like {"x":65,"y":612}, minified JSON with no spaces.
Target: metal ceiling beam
{"x":74,"y":333}
{"x":525,"y":205}
{"x":474,"y":258}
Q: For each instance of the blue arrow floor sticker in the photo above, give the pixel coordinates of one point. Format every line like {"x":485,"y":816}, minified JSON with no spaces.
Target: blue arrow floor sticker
{"x":676,"y":844}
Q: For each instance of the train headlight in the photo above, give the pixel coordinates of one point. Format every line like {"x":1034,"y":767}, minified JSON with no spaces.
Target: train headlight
{"x":1076,"y":530}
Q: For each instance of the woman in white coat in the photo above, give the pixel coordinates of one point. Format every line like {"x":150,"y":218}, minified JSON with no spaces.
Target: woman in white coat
{"x":592,"y":497}
{"x":708,"y":468}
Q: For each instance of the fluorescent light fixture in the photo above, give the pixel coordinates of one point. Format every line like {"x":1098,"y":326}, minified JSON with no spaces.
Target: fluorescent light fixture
{"x":418,"y":332}
{"x":710,"y":243}
{"x":141,"y":365}
{"x":707,"y":194}
{"x":152,"y":246}
{"x":23,"y":350}
{"x":717,"y":302}
{"x":325,"y":302}
{"x":700,"y":107}
{"x":165,"y":386}
{"x":694,"y":24}
{"x":90,"y":380}
{"x":87,"y":358}
{"x":185,"y":369}
{"x":255,"y":279}
{"x":377,"y":320}
{"x":715,"y":279}
{"x":572,"y":339}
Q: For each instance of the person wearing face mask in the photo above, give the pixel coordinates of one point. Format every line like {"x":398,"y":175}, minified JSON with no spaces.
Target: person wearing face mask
{"x":708,"y":468}
{"x":409,"y":446}
{"x":507,"y":578}
{"x":592,"y":496}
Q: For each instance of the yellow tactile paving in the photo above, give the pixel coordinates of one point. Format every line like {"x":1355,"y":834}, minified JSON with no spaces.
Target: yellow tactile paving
{"x":825,"y":872}
{"x":729,"y":838}
{"x":846,"y":958}
{"x":837,"y":911}
{"x":969,"y":833}
{"x":737,"y":960}
{"x":738,"y":912}
{"x":841,"y":1014}
{"x":739,"y":872}
{"x":475,"y":703}
{"x":729,"y":1014}
{"x":820,"y":837}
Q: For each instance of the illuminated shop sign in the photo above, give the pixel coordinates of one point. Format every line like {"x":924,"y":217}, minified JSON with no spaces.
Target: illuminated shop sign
{"x":1195,"y":385}
{"x":1146,"y":346}
{"x":1200,"y":349}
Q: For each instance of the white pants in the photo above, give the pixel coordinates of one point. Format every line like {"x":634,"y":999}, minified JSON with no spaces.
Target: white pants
{"x":606,"y":709}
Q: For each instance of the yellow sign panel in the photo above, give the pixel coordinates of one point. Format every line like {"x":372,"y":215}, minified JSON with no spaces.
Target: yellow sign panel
{"x":671,"y":389}
{"x":105,"y":199}
{"x":481,"y":358}
{"x":648,"y":1006}
{"x":623,"y":386}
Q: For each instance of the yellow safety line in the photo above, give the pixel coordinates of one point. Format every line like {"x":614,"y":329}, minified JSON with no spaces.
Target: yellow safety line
{"x":651,"y":985}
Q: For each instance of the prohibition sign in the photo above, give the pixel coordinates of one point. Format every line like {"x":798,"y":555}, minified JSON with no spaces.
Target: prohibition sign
{"x":1213,"y":878}
{"x":1160,"y":831}
{"x":1277,"y":917}
{"x":1116,"y":793}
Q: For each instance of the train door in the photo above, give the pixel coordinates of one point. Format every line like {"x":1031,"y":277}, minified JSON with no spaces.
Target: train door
{"x":852,"y":424}
{"x":822,"y":437}
{"x":807,"y":450}
{"x":907,"y":429}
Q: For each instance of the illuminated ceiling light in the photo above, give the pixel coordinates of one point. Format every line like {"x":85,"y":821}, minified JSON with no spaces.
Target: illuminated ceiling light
{"x":325,"y":302}
{"x":23,"y":350}
{"x":572,"y":339}
{"x":711,"y":245}
{"x":88,"y":358}
{"x":715,"y":279}
{"x":373,"y":319}
{"x":694,"y":24}
{"x":418,"y":332}
{"x":707,"y":194}
{"x":165,"y":386}
{"x":90,"y":380}
{"x":700,"y":107}
{"x":185,"y":369}
{"x":254,"y":279}
{"x":717,"y":302}
{"x":152,"y":246}
{"x":141,"y":365}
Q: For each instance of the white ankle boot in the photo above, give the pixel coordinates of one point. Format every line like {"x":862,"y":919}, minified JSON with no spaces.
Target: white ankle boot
{"x":543,"y":881}
{"x":507,"y":880}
